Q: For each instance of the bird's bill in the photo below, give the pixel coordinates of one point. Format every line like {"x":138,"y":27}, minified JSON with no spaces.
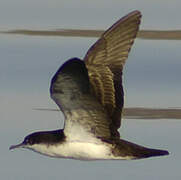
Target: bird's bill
{"x":21,"y":145}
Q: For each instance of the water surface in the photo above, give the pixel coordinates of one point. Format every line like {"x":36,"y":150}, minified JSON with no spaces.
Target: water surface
{"x":151,"y":79}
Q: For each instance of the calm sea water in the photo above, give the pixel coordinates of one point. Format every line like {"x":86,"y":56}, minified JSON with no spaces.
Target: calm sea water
{"x":151,"y":79}
{"x":27,"y":64}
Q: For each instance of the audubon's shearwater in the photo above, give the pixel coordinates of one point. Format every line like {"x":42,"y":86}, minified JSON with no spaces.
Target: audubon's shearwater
{"x":90,"y":94}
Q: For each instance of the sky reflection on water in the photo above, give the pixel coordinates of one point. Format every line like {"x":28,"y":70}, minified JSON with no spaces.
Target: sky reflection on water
{"x":151,"y":79}
{"x":26,"y":69}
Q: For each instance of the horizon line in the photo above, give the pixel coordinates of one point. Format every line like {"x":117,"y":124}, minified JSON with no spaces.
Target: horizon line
{"x":142,"y":112}
{"x":142,"y":34}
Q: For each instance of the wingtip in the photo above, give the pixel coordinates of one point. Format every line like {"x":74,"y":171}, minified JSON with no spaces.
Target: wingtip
{"x":134,"y":13}
{"x":162,"y":152}
{"x":135,"y":151}
{"x":153,"y":152}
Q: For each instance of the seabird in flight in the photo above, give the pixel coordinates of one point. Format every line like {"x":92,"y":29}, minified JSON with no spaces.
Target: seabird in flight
{"x":90,"y":94}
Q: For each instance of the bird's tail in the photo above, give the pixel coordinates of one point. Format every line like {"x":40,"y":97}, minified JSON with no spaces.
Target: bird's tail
{"x":130,"y":150}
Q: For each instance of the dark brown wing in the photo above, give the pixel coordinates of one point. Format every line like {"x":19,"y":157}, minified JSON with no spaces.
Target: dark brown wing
{"x":105,"y":61}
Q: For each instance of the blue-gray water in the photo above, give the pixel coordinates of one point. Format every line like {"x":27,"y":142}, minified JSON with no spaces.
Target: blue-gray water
{"x":151,"y":79}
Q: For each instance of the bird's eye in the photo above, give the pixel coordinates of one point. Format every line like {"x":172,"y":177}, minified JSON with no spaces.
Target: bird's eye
{"x":30,"y":141}
{"x":26,"y":141}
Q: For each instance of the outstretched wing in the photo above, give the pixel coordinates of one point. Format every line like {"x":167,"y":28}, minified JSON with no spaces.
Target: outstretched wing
{"x":105,"y":61}
{"x":85,"y":117}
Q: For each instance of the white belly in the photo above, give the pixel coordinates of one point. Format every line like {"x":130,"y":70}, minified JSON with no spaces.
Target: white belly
{"x":75,"y":150}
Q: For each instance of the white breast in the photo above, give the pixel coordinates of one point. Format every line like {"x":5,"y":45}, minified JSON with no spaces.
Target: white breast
{"x":74,"y":150}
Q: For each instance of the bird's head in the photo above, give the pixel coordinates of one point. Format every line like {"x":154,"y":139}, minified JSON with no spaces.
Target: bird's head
{"x":40,"y":138}
{"x":28,"y":141}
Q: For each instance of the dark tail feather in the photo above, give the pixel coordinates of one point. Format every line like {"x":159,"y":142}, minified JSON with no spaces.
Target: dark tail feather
{"x":154,"y":152}
{"x":133,"y":151}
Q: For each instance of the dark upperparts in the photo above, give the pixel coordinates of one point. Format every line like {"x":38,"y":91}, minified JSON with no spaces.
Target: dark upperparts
{"x":45,"y":137}
{"x":126,"y":148}
{"x":74,"y":66}
{"x":76,"y":70}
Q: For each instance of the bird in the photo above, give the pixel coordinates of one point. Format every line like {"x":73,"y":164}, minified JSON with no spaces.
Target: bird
{"x":90,"y":94}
